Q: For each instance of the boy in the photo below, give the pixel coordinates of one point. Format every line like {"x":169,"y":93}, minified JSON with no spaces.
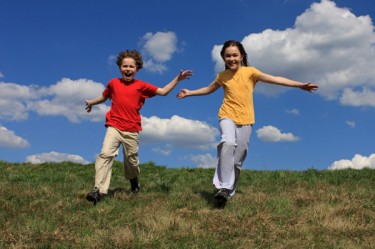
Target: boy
{"x":123,"y":121}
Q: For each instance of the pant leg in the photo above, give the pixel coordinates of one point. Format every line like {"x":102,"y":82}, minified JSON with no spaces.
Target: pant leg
{"x":224,"y":173}
{"x":243,"y":133}
{"x":130,"y":145}
{"x":104,"y":161}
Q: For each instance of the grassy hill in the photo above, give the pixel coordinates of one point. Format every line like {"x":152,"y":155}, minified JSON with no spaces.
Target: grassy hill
{"x":44,"y":206}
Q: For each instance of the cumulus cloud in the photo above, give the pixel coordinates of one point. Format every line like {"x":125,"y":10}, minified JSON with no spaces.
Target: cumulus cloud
{"x":158,"y":48}
{"x":205,"y":161}
{"x":14,"y":100}
{"x":357,"y":162}
{"x":272,"y":134}
{"x":65,"y":98}
{"x":327,"y":45}
{"x":8,"y":139}
{"x":179,"y":132}
{"x":154,"y":66}
{"x":363,"y":97}
{"x":55,"y":157}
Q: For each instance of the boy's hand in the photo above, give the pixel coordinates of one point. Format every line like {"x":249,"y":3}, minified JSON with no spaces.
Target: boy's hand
{"x":88,"y":106}
{"x":184,"y":74}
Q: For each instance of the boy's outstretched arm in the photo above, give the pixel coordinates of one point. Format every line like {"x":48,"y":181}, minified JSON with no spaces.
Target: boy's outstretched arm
{"x":309,"y":87}
{"x":96,"y":101}
{"x":171,"y":85}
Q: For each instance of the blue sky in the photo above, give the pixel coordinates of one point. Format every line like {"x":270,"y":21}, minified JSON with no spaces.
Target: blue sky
{"x":56,"y":54}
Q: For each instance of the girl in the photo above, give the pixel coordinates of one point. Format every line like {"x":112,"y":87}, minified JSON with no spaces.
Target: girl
{"x":236,"y":114}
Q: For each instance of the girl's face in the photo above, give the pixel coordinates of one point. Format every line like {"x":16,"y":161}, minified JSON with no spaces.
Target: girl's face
{"x":233,"y":58}
{"x":128,"y":69}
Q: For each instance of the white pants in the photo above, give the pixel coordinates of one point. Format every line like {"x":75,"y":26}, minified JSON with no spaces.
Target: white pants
{"x":231,"y":153}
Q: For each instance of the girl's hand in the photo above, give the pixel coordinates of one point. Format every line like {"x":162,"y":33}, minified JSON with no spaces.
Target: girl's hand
{"x":183,"y":93}
{"x":309,"y":87}
{"x":184,"y":74}
{"x":88,"y":106}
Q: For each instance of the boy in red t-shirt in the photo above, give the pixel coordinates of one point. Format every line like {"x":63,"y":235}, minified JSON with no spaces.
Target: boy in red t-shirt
{"x":123,"y":120}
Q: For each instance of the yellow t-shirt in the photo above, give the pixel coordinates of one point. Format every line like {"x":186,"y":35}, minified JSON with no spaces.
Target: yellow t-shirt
{"x":238,"y":94}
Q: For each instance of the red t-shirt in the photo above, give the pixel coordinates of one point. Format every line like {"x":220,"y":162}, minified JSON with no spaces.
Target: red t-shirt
{"x":127,"y":101}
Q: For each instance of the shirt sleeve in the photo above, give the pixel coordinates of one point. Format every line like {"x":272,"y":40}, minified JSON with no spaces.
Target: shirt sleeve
{"x":218,"y":80}
{"x":149,"y":90}
{"x":108,"y":90}
{"x":255,"y":74}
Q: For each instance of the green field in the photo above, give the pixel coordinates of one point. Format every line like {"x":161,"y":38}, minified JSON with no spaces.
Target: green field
{"x":44,"y":206}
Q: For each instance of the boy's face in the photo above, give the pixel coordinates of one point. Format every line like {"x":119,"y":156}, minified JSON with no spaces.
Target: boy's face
{"x":128,"y":69}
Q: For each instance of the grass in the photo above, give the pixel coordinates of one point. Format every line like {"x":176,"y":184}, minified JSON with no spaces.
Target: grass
{"x":44,"y":206}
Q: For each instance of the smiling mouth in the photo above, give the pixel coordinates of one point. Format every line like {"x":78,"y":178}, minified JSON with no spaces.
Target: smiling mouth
{"x":128,"y":74}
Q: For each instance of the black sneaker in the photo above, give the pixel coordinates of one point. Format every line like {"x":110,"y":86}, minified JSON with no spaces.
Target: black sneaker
{"x":134,"y":185}
{"x":222,"y":195}
{"x":94,"y":196}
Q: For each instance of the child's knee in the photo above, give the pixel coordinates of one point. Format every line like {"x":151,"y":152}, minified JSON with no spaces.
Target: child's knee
{"x":227,"y":143}
{"x":133,"y":160}
{"x":107,"y":154}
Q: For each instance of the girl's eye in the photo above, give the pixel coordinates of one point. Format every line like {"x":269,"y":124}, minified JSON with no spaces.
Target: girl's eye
{"x":231,"y":55}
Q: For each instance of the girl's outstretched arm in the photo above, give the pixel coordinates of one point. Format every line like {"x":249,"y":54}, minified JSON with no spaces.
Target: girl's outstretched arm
{"x":171,"y":85}
{"x":96,"y":101}
{"x":287,"y":82}
{"x":202,"y":91}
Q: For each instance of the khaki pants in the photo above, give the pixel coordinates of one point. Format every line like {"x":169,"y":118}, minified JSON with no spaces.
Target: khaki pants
{"x":104,"y":161}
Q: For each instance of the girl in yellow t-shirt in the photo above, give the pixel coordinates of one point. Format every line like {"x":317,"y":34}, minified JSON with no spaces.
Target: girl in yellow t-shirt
{"x":236,"y":114}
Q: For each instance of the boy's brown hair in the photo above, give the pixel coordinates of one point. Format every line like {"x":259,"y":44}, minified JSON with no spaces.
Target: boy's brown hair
{"x":130,"y":54}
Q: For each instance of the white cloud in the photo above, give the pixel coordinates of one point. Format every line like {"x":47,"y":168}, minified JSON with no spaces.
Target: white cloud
{"x":14,"y":100}
{"x":294,"y":111}
{"x":357,"y":162}
{"x":159,"y":48}
{"x":15,"y":110}
{"x":65,"y":98}
{"x":8,"y":139}
{"x":350,"y":123}
{"x":1,"y":75}
{"x":216,"y":57}
{"x":205,"y":161}
{"x":166,"y":150}
{"x":179,"y":132}
{"x":273,"y":134}
{"x":55,"y":157}
{"x":328,"y":45}
{"x":366,"y":97}
{"x":152,"y":66}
